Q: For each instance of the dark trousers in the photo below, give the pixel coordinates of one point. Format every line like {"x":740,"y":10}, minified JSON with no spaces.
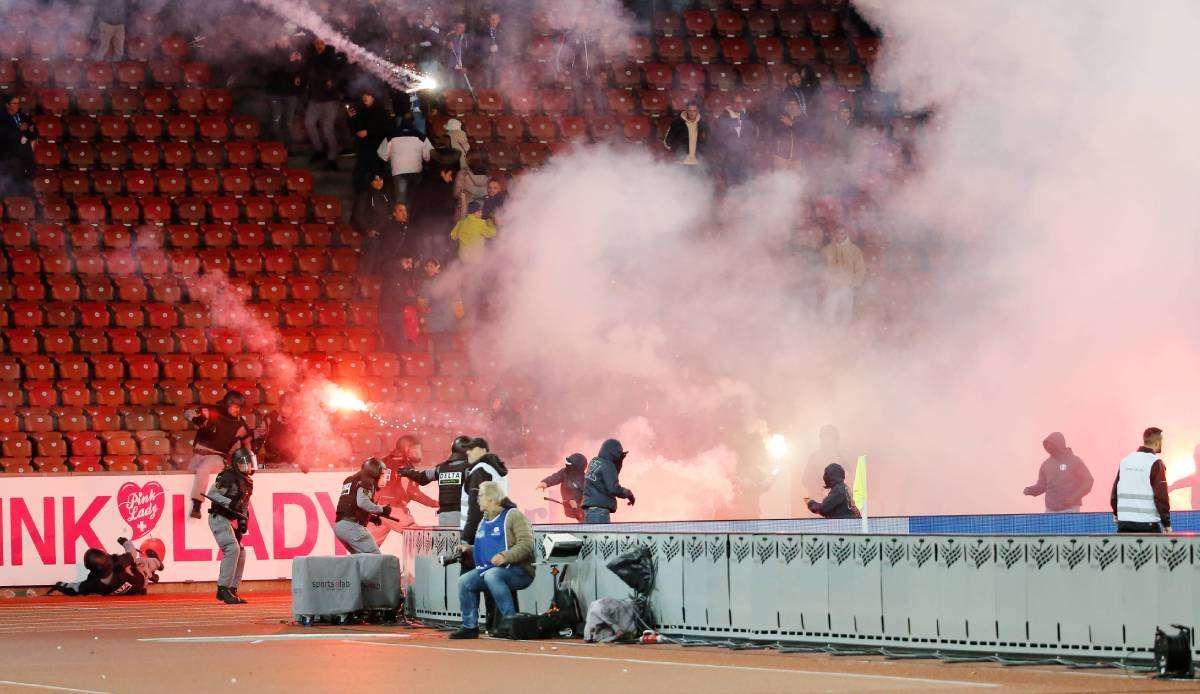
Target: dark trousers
{"x":1131,"y":527}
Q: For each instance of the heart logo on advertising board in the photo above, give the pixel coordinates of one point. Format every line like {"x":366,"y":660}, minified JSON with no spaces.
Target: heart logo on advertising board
{"x":141,"y":507}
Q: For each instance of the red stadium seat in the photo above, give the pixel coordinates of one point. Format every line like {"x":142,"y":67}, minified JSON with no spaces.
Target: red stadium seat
{"x":124,"y":101}
{"x":210,"y":154}
{"x":627,"y":76}
{"x":604,"y":128}
{"x":722,"y":77}
{"x":291,"y":208}
{"x":246,"y":127}
{"x":156,"y":101}
{"x":730,"y":23}
{"x":270,"y":287}
{"x":489,"y":101}
{"x":836,"y":50}
{"x":458,"y":101}
{"x":510,"y":129}
{"x":621,"y":102}
{"x":191,"y":210}
{"x":329,"y":340}
{"x":542,"y":128}
{"x":867,"y":48}
{"x":640,"y":49}
{"x":177,"y":155}
{"x":698,"y":22}
{"x":272,"y":154}
{"x":240,"y":154}
{"x":657,"y":76}
{"x":671,"y":49}
{"x":823,"y":23}
{"x":297,"y":315}
{"x":636,"y":127}
{"x":236,"y":182}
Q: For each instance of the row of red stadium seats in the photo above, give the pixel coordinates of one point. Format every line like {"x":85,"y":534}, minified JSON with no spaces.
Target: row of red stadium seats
{"x":41,"y":35}
{"x":295,"y":314}
{"x":172,"y":289}
{"x":18,"y":236}
{"x":191,"y":209}
{"x":147,"y":179}
{"x":211,"y":367}
{"x":192,"y":340}
{"x":26,"y":282}
{"x":770,"y":20}
{"x":101,"y":74}
{"x":158,"y":101}
{"x":147,"y":154}
{"x":161,"y":297}
{"x":117,"y":128}
{"x":148,"y":394}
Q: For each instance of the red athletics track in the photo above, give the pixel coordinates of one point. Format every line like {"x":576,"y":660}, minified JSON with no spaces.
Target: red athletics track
{"x":190,"y":643}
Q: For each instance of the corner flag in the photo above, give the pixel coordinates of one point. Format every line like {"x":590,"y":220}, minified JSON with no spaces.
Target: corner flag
{"x":860,"y":489}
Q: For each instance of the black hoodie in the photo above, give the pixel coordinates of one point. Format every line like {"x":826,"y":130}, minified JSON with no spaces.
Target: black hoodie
{"x":478,"y":475}
{"x":571,"y":479}
{"x":839,"y":502}
{"x":602,"y":487}
{"x":1063,"y":477}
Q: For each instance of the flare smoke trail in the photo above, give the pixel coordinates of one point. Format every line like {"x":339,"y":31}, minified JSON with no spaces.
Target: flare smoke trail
{"x":396,"y":76}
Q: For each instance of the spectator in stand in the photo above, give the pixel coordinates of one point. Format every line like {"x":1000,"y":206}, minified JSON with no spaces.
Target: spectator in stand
{"x":737,"y":137}
{"x":457,"y":58}
{"x":471,"y":233}
{"x":427,"y":38}
{"x":386,"y":229}
{"x":432,"y":207}
{"x":687,"y":138}
{"x":1063,"y":477}
{"x":406,"y":152}
{"x":111,"y":16}
{"x":375,"y":209}
{"x":458,"y":139}
{"x":322,"y":77}
{"x":439,"y":311}
{"x":17,"y":136}
{"x":370,"y":124}
{"x":495,"y":48}
{"x":284,"y":86}
{"x":802,"y":88}
{"x":496,"y":197}
{"x":470,"y":186}
{"x":845,"y":272}
{"x":790,"y":142}
{"x":399,"y":315}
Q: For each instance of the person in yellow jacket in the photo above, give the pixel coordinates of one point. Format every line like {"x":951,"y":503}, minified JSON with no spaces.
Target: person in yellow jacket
{"x":472,"y":232}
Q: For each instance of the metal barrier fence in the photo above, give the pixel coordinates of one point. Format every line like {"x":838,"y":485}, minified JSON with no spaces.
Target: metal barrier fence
{"x":1095,"y":596}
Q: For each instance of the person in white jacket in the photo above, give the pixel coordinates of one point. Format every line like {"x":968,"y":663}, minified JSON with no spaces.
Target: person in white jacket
{"x":406,"y":151}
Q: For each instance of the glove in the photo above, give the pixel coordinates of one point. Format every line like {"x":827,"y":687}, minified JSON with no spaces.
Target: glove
{"x":62,"y":588}
{"x":409,"y":474}
{"x":121,"y":541}
{"x":387,"y":511}
{"x":812,"y":506}
{"x":630,"y":497}
{"x":375,"y":520}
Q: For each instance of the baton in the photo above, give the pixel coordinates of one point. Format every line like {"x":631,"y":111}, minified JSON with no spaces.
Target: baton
{"x":240,"y":516}
{"x":548,"y":498}
{"x":380,"y":515}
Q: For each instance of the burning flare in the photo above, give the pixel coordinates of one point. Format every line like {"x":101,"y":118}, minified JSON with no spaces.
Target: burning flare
{"x":777,"y":446}
{"x":338,"y":398}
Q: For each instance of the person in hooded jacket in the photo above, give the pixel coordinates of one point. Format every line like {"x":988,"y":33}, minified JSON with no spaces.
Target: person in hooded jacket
{"x":571,"y":482}
{"x":1063,"y":477}
{"x":603,"y":487}
{"x":220,"y":430}
{"x":484,"y":466}
{"x":839,"y":502}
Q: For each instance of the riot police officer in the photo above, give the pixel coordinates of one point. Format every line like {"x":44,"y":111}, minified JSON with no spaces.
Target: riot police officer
{"x":356,"y":507}
{"x":228,"y":518}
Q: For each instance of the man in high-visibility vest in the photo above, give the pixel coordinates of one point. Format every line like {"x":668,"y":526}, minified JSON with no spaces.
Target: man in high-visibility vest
{"x":1139,"y":494}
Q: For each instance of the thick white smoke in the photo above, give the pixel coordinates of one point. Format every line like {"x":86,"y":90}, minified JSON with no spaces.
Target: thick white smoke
{"x":1055,"y":178}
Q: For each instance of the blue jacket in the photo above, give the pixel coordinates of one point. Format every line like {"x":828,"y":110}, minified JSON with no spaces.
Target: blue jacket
{"x":602,"y":487}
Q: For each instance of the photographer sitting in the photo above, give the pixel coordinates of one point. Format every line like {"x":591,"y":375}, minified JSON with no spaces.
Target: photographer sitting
{"x":503,"y":554}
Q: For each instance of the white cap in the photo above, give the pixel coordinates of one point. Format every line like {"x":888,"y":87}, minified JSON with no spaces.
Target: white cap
{"x":453,"y":124}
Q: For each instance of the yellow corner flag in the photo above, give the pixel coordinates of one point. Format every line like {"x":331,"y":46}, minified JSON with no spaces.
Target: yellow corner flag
{"x":860,"y":488}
